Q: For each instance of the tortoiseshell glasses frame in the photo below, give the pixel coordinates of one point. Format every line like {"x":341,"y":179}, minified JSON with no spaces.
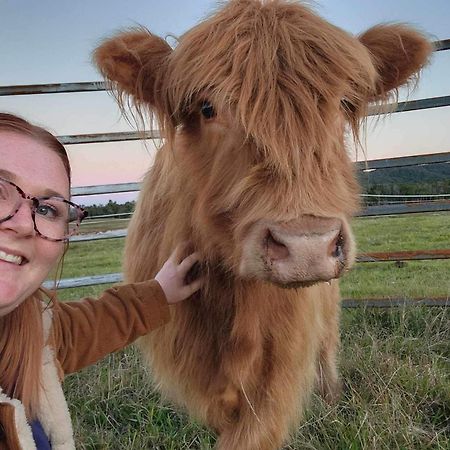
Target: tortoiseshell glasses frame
{"x":54,"y":218}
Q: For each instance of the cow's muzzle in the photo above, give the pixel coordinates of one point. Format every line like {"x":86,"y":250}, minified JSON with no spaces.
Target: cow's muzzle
{"x":300,"y":252}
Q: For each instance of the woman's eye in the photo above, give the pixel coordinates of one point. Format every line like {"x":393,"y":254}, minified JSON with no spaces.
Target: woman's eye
{"x":207,"y":110}
{"x":47,"y":211}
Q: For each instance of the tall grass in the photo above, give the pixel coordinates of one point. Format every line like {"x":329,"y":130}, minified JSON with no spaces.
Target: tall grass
{"x":395,"y":370}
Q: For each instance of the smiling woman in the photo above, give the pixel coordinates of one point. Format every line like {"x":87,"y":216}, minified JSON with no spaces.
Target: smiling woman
{"x":41,"y":340}
{"x":25,"y":158}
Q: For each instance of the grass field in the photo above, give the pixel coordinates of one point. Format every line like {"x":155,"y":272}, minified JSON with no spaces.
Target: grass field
{"x":395,"y":367}
{"x":395,"y":363}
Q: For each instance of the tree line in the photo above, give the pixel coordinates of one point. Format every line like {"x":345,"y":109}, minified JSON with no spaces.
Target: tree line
{"x":410,"y":189}
{"x":112,"y":207}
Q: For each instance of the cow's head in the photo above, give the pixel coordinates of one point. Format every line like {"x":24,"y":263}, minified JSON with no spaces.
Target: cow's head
{"x":254,"y":103}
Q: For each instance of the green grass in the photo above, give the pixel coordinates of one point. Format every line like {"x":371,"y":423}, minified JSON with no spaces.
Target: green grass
{"x":395,"y":363}
{"x":418,"y":279}
{"x":405,"y":232}
{"x":94,"y":258}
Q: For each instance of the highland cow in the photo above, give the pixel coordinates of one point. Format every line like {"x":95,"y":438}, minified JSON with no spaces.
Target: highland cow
{"x":254,"y":105}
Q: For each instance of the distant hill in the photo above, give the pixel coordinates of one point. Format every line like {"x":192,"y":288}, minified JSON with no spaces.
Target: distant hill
{"x":427,"y":179}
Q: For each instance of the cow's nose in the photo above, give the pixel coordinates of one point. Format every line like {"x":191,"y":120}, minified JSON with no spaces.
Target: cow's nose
{"x":276,"y":249}
{"x":302,"y":251}
{"x":306,"y":253}
{"x":336,"y":248}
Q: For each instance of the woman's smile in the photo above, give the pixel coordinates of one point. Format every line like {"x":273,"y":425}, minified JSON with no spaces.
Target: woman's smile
{"x":12,"y":257}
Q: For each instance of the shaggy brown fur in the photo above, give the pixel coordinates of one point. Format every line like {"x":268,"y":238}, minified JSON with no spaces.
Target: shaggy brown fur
{"x":244,"y":355}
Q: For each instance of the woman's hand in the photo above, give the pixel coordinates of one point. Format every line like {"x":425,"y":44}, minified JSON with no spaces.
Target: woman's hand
{"x":172,"y":276}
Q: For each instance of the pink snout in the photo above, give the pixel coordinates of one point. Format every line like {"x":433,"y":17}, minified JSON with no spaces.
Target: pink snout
{"x":297,"y":253}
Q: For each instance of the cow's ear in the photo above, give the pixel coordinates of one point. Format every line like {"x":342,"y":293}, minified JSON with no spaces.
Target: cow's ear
{"x":398,"y":53}
{"x":133,"y":61}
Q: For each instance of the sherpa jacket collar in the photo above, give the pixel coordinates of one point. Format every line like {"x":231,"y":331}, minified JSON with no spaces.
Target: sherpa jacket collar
{"x":53,"y":412}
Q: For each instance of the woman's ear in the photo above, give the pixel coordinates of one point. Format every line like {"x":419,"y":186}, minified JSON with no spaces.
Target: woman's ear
{"x":133,"y":61}
{"x":398,"y":53}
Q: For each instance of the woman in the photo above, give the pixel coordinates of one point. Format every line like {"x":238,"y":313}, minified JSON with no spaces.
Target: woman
{"x":42,"y":340}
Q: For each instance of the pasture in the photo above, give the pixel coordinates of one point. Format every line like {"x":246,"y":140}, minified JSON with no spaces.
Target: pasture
{"x":394,"y":363}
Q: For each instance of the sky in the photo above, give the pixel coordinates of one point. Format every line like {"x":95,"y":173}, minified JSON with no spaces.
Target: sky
{"x":43,"y":41}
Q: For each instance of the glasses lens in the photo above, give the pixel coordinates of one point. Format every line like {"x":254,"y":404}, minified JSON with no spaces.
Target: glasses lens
{"x":56,"y":218}
{"x":9,"y":200}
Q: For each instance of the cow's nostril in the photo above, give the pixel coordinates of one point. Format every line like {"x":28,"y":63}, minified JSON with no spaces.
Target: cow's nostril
{"x":276,"y":250}
{"x":338,"y":247}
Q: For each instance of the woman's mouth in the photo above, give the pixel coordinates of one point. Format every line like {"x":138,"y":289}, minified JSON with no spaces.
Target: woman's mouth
{"x":13,"y":259}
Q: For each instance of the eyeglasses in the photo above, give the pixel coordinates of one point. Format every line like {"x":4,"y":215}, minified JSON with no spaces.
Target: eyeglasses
{"x":54,"y":218}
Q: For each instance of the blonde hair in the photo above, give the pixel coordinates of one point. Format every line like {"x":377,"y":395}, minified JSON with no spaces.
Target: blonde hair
{"x":21,"y":335}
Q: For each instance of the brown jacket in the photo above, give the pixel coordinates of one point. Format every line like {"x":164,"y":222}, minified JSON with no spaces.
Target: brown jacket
{"x":78,"y":334}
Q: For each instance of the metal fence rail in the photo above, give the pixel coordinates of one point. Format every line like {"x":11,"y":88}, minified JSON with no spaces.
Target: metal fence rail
{"x":105,"y":189}
{"x":113,"y":234}
{"x":405,"y":208}
{"x":411,"y":105}
{"x":92,"y":280}
{"x":394,"y":302}
{"x":441,"y":45}
{"x":411,"y":255}
{"x":96,"y":138}
{"x":53,"y":88}
{"x":113,"y":278}
{"x":404,"y":161}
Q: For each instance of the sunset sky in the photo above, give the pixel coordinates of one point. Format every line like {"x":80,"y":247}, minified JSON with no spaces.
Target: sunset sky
{"x":50,"y":42}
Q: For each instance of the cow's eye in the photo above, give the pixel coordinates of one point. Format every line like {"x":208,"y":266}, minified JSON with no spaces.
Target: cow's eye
{"x":347,"y":106}
{"x":207,"y":110}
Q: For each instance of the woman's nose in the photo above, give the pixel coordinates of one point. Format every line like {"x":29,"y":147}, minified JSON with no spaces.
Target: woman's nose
{"x":21,"y":222}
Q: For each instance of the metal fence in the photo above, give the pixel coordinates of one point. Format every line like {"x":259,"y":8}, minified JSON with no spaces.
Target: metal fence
{"x":416,"y":204}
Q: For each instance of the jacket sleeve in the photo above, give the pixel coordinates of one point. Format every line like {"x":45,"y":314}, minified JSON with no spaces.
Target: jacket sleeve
{"x":85,"y":331}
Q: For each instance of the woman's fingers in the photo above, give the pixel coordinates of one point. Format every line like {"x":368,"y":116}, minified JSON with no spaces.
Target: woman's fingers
{"x":192,"y":288}
{"x":179,"y":276}
{"x":180,"y":252}
{"x":188,"y":262}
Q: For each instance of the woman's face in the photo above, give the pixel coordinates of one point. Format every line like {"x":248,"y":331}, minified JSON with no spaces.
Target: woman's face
{"x":38,"y":171}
